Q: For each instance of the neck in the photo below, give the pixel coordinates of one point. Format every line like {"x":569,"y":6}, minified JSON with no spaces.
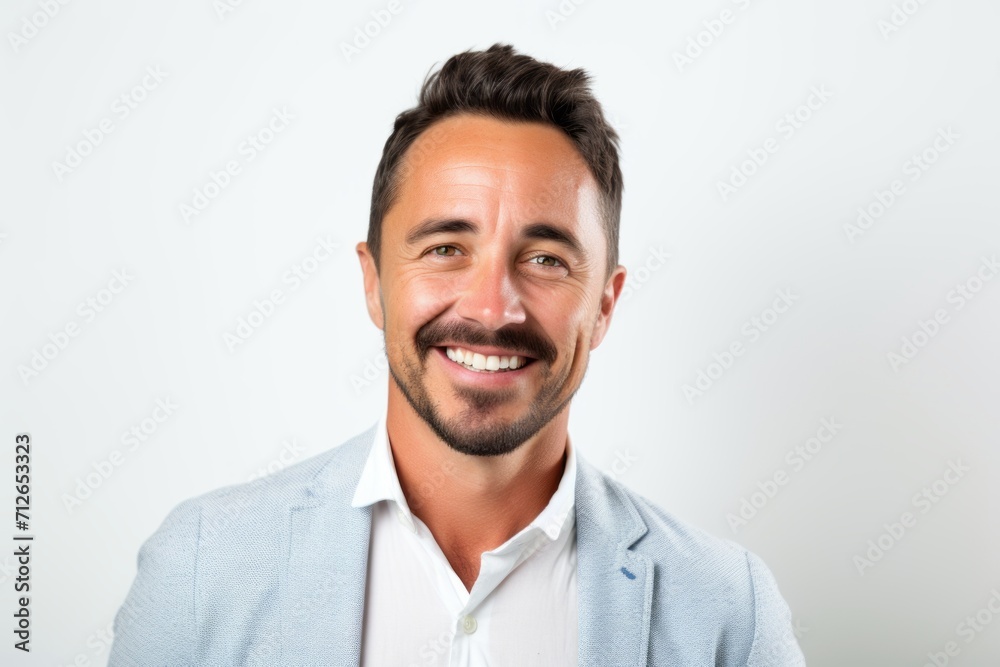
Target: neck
{"x":473,"y":504}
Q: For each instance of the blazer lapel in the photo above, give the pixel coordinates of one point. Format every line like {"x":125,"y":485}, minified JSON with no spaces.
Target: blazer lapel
{"x":614,"y":584}
{"x":324,"y":584}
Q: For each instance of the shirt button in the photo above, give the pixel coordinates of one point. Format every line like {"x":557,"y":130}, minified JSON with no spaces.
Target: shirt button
{"x":469,"y":624}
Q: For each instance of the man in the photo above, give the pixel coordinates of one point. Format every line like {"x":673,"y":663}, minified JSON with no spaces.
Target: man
{"x":464,"y":528}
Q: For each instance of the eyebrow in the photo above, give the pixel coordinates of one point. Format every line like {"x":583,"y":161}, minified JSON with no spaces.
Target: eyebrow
{"x":546,"y":231}
{"x":537,"y":230}
{"x":440,"y":226}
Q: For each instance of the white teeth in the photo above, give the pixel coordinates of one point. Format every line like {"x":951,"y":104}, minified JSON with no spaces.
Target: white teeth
{"x":481,"y":362}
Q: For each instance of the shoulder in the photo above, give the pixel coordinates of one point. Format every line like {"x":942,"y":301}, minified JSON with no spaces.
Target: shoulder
{"x":195,"y":564}
{"x":686,"y":553}
{"x":713,"y":585}
{"x":228,"y":510}
{"x":689,"y":552}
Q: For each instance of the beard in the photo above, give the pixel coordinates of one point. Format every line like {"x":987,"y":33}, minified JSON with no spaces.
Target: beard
{"x":475,"y":431}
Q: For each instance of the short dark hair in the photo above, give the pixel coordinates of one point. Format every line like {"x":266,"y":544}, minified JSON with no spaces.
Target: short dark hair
{"x":504,"y":84}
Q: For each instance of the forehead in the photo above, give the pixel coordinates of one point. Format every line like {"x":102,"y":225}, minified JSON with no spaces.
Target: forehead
{"x":485,"y":165}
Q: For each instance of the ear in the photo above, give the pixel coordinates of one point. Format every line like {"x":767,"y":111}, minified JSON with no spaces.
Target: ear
{"x":612,"y":290}
{"x":373,"y":289}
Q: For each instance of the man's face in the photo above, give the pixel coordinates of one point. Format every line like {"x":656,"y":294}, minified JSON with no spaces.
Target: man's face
{"x":493,"y":247}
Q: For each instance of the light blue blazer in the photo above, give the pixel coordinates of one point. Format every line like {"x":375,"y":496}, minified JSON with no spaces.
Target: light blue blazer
{"x":272,"y":572}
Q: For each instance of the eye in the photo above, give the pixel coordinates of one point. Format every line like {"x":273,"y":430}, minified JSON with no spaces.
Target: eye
{"x":556,"y":263}
{"x":437,"y":251}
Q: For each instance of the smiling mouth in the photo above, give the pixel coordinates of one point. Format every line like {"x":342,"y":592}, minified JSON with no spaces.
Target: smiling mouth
{"x":482,"y":363}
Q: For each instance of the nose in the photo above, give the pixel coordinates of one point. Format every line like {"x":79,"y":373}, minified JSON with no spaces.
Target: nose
{"x":489,"y":296}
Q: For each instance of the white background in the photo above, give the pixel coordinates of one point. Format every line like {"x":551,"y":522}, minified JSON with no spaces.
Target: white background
{"x":300,"y":377}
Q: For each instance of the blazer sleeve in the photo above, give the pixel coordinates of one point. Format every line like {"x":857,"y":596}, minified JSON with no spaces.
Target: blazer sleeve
{"x":156,"y":623}
{"x":774,"y":642}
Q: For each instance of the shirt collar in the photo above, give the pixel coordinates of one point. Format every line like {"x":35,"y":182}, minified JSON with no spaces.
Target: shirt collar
{"x":379,"y":481}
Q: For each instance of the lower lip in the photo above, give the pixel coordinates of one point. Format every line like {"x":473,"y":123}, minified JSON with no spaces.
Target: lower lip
{"x":483,"y":378}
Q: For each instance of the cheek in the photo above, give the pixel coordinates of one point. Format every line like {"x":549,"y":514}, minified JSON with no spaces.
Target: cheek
{"x":582,"y":337}
{"x":416,"y":300}
{"x":566,"y":316}
{"x":565,"y":330}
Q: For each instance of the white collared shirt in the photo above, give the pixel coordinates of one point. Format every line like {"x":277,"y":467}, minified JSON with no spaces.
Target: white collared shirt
{"x":522,"y":609}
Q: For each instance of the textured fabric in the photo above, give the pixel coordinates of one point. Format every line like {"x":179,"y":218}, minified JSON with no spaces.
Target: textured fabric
{"x":273,"y":572}
{"x":521,"y":609}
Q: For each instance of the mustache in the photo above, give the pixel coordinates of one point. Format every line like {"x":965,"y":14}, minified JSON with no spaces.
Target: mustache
{"x":526,"y":341}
